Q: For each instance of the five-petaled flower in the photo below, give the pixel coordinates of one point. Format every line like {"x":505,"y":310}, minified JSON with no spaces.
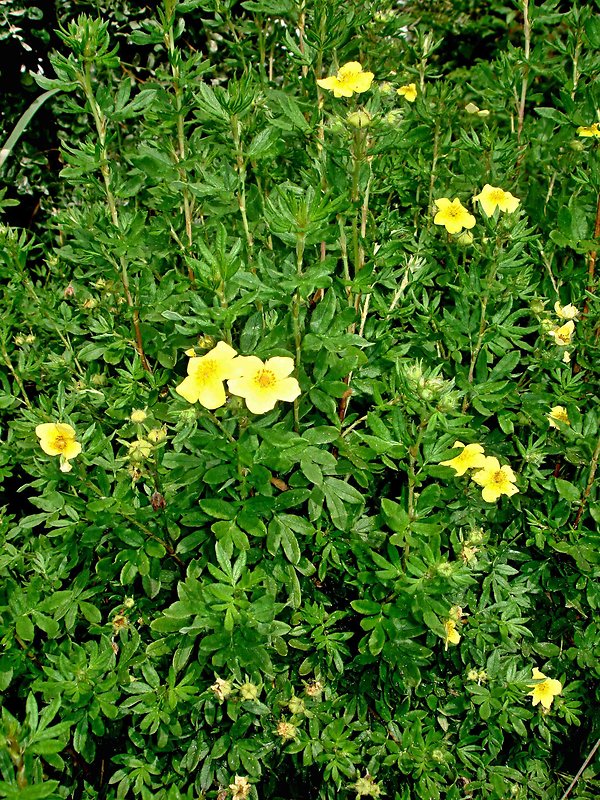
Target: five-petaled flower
{"x":240,"y":788}
{"x":453,"y":215}
{"x":491,"y":198}
{"x":262,"y":384}
{"x":472,"y":457}
{"x":204,"y":383}
{"x":566,"y":312}
{"x":495,"y":480}
{"x":349,"y":80}
{"x":589,"y":130}
{"x":58,"y":439}
{"x":563,"y":335}
{"x":544,"y":689}
{"x":408,"y":92}
{"x":558,"y":413}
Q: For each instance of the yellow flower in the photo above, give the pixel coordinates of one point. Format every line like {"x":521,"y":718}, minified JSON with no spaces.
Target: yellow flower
{"x":263,"y":384}
{"x":240,"y":788}
{"x":491,"y":198}
{"x":471,"y":458}
{"x":452,"y":635}
{"x":544,"y":690}
{"x":563,"y":335}
{"x":350,"y":79}
{"x":408,"y":92}
{"x":453,"y":215}
{"x":495,"y":480}
{"x":558,"y":413}
{"x":566,"y":312}
{"x":58,"y":439}
{"x":204,"y":383}
{"x":589,"y":130}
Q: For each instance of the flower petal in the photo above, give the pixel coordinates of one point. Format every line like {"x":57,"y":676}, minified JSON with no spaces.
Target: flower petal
{"x":212,"y":395}
{"x":189,"y":389}
{"x":282,"y":366}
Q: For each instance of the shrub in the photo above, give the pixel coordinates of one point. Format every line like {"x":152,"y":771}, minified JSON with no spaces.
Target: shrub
{"x":300,"y":409}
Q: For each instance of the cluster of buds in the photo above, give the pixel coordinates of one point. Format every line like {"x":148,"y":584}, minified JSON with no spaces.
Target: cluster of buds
{"x":141,"y":449}
{"x":366,"y":787}
{"x":429,"y":387}
{"x":470,"y":546}
{"x":478,"y":675}
{"x":246,"y":691}
{"x":21,"y":340}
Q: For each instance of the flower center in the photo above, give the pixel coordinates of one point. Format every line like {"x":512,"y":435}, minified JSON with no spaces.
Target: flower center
{"x":453,"y":211}
{"x":265,"y":378}
{"x":497,"y":196}
{"x":498,"y":478}
{"x":60,"y":442}
{"x":206,"y":370}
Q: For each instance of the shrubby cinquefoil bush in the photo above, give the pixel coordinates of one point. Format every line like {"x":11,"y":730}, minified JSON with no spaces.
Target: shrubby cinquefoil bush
{"x":299,"y":406}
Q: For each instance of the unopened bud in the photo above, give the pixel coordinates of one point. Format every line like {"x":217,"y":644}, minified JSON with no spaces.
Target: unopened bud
{"x":359,"y":119}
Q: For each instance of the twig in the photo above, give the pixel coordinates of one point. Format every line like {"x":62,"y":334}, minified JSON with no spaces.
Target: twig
{"x":593,"y":255}
{"x":581,"y":769}
{"x":590,"y":483}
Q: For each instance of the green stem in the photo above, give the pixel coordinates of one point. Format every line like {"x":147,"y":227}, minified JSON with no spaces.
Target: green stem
{"x":100,"y":121}
{"x":180,"y":153}
{"x":527,"y":48}
{"x":241,"y":171}
{"x":413,"y":452}
{"x":482,"y":327}
{"x":300,"y":245}
{"x":434,"y":160}
{"x":13,"y":372}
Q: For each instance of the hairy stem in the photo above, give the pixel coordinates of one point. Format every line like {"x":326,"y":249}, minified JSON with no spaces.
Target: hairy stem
{"x":180,"y":153}
{"x":241,"y":171}
{"x":100,"y":121}
{"x":527,"y":49}
{"x":11,"y":369}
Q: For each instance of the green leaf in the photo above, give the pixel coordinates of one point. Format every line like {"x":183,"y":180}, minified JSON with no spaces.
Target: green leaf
{"x":366,"y":606}
{"x":567,"y":490}
{"x":25,"y":629}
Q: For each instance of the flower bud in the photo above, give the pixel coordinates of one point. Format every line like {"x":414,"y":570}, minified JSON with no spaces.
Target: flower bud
{"x":138,"y":415}
{"x":156,"y":435}
{"x":249,"y":691}
{"x":296,"y":705}
{"x":139,"y":450}
{"x":221,"y":689}
{"x":359,"y":119}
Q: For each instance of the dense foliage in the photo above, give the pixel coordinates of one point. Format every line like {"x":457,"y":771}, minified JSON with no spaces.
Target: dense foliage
{"x":229,"y":578}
